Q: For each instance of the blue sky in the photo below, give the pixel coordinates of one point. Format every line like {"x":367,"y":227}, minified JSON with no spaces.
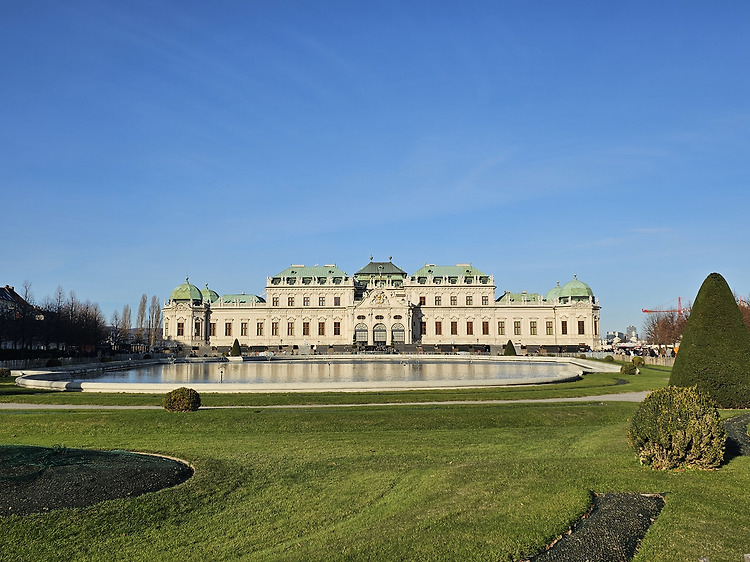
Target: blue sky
{"x":146,"y":141}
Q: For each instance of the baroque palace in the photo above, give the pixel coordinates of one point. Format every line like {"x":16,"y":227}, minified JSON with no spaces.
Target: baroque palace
{"x":437,"y":308}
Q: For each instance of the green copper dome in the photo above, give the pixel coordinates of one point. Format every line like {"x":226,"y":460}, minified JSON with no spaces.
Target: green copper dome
{"x":209,"y":294}
{"x":554,"y":293}
{"x":186,"y":292}
{"x":576,"y":290}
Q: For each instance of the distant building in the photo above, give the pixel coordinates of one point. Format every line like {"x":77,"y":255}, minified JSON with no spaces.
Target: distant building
{"x":631,"y":333}
{"x":437,"y":308}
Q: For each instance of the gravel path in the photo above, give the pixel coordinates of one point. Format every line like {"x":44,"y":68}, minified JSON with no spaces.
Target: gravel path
{"x":622,"y":397}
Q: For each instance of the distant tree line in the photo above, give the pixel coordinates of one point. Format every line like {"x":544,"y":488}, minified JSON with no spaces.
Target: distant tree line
{"x":666,"y":328}
{"x":65,"y":323}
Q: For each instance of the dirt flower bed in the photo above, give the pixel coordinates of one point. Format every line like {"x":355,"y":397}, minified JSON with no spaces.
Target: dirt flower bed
{"x":39,"y":479}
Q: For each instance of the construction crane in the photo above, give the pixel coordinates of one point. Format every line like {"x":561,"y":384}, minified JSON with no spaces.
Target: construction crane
{"x":680,"y":310}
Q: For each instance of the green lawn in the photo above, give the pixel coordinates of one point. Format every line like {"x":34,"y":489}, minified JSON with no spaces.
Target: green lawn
{"x":465,"y":482}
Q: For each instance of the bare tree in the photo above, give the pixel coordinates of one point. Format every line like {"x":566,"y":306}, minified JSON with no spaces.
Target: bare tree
{"x":154,"y":321}
{"x":115,"y":325}
{"x":665,"y":328}
{"x":744,"y":304}
{"x":140,"y":320}
{"x":127,"y":323}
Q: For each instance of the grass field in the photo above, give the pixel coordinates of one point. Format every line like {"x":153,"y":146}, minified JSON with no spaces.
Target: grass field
{"x":417,"y":482}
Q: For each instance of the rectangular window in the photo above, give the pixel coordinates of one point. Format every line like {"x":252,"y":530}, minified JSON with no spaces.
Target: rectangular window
{"x":581,"y":327}
{"x":259,"y":329}
{"x":305,"y":301}
{"x":275,"y":301}
{"x":290,"y":301}
{"x":422,"y":301}
{"x":290,"y":328}
{"x":485,"y":328}
{"x":305,"y":328}
{"x":454,"y":300}
{"x":228,"y":329}
{"x":596,"y":327}
{"x":337,"y":328}
{"x":438,"y":328}
{"x":470,"y":328}
{"x":485,"y":300}
{"x":274,"y":328}
{"x":180,"y":328}
{"x":532,"y":327}
{"x":438,"y":300}
{"x":166,"y":329}
{"x":549,"y":327}
{"x":321,"y":301}
{"x":213,"y":328}
{"x":517,"y":327}
{"x":454,"y":328}
{"x":336,"y":301}
{"x":501,"y":328}
{"x":469,"y":300}
{"x":243,"y":329}
{"x":197,"y":329}
{"x":564,"y":327}
{"x":423,"y":328}
{"x":321,"y":328}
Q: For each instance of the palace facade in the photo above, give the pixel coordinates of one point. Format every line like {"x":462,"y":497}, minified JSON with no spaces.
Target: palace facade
{"x":437,"y":308}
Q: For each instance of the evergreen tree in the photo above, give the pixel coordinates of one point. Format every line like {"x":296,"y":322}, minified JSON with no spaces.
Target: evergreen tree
{"x":235,"y":352}
{"x":714,"y":354}
{"x":510,"y":349}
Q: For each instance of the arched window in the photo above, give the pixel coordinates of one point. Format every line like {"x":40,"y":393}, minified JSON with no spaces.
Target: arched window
{"x":360,"y":333}
{"x":379,"y":334}
{"x":398,"y":334}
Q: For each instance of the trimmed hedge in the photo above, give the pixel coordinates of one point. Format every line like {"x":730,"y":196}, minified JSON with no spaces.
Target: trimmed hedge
{"x":609,"y":359}
{"x":639,"y":361}
{"x":715,"y":347}
{"x":235,"y":351}
{"x":53,"y":362}
{"x":4,"y":373}
{"x":678,"y":427}
{"x":510,"y":349}
{"x":181,"y":399}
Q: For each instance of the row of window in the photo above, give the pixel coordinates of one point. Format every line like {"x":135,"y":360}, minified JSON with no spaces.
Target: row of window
{"x":259,"y":329}
{"x":454,"y":300}
{"x":306,"y":301}
{"x":533,"y":328}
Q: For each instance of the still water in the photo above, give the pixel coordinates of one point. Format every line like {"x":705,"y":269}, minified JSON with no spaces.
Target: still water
{"x":340,"y":371}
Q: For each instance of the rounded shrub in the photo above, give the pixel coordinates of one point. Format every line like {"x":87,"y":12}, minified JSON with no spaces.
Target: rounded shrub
{"x":581,"y":356}
{"x":678,"y":427}
{"x":147,"y":356}
{"x":53,"y":362}
{"x":106,"y":359}
{"x":181,"y":399}
{"x":4,"y":373}
{"x":639,"y":361}
{"x":609,"y":359}
{"x":629,"y":369}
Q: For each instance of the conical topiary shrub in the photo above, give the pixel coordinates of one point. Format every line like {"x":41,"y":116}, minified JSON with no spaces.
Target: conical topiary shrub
{"x":714,"y":354}
{"x":510,"y":349}
{"x":235,"y":351}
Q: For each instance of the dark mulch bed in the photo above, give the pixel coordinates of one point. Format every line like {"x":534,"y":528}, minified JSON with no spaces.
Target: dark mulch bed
{"x":738,"y":443}
{"x":611,"y":532}
{"x":39,"y":479}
